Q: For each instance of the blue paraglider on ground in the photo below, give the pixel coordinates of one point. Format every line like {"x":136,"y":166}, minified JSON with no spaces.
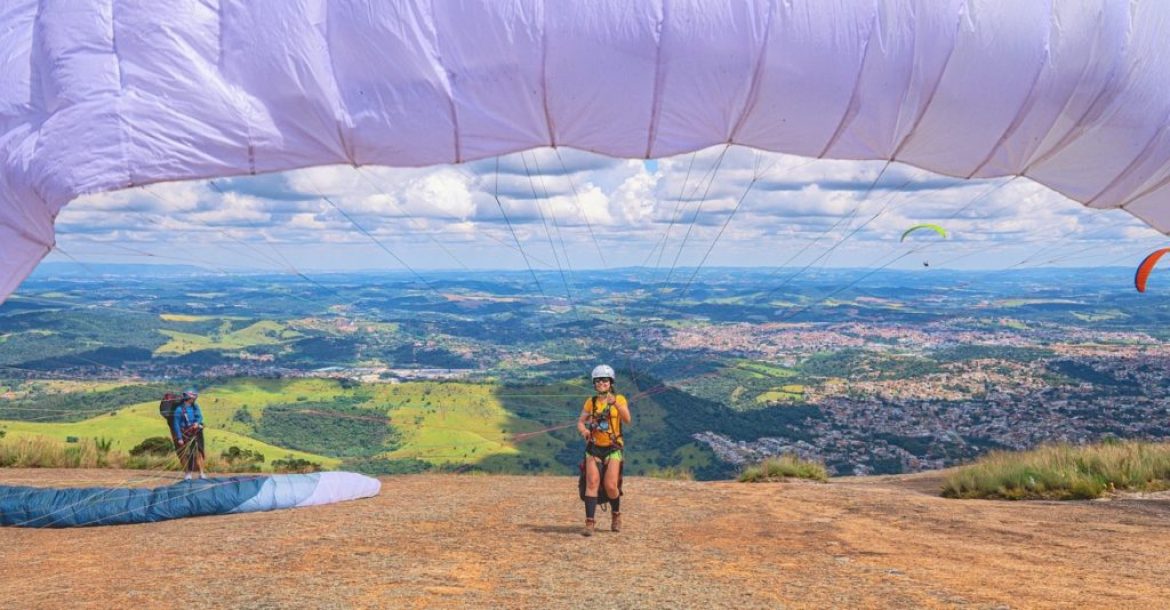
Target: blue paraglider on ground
{"x":75,"y":507}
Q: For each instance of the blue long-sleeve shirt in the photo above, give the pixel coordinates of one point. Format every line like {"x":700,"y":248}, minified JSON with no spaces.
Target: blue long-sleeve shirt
{"x":185,"y":417}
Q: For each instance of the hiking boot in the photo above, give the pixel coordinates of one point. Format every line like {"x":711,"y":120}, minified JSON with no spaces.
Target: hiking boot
{"x":590,"y":525}
{"x":615,"y":522}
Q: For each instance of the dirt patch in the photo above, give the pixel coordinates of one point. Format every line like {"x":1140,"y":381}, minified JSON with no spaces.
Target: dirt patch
{"x":470,"y":541}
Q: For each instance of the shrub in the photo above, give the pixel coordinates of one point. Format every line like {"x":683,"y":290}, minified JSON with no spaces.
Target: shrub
{"x":244,"y":416}
{"x":235,"y":454}
{"x":155,"y":446}
{"x":103,"y":444}
{"x":292,"y":464}
{"x":784,"y":467}
{"x":385,"y":466}
{"x":242,"y":460}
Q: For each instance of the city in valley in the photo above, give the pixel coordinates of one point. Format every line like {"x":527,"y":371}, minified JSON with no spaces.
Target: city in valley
{"x":897,"y":371}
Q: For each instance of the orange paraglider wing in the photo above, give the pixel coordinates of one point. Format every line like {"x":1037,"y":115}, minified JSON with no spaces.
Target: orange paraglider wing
{"x":1143,"y":270}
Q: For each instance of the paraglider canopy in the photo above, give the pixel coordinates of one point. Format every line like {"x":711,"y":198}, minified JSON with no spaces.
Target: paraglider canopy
{"x":937,"y":229}
{"x":100,"y":95}
{"x":1147,"y":265}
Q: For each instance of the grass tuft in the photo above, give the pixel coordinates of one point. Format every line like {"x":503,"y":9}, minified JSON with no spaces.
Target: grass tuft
{"x":1064,"y":472}
{"x":784,"y":467}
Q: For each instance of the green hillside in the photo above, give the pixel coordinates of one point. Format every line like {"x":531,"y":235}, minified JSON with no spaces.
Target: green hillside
{"x":395,"y":427}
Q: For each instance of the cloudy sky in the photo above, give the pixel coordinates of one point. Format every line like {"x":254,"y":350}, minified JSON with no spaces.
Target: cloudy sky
{"x":574,"y":210}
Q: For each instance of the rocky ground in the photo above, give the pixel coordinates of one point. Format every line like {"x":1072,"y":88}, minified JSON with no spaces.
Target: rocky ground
{"x":449,"y":541}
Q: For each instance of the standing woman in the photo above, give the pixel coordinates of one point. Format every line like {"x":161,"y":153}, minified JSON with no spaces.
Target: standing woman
{"x":600,"y":424}
{"x":188,"y":428}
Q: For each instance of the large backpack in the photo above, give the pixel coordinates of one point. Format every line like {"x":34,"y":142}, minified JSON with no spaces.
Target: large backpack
{"x":166,"y":408}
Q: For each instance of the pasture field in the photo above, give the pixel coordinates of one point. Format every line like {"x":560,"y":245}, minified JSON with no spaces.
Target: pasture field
{"x":761,"y":369}
{"x":264,"y":332}
{"x":450,"y":422}
{"x":787,"y":393}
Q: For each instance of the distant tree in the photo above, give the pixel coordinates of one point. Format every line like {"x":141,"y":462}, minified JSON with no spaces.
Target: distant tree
{"x":292,"y":464}
{"x":235,"y":454}
{"x":384,"y":466}
{"x":243,"y":460}
{"x":244,"y":416}
{"x":155,"y":445}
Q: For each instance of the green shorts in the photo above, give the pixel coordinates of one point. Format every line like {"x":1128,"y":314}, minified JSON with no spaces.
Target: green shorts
{"x":605,"y":454}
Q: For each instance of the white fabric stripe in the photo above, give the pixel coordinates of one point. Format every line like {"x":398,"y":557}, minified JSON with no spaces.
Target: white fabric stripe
{"x":340,"y":487}
{"x":296,"y":490}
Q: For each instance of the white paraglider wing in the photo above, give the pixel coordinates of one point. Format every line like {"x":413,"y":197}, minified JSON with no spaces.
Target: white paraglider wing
{"x":99,"y":95}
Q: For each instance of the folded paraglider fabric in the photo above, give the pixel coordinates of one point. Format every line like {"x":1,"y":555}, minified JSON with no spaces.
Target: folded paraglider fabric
{"x":73,"y":507}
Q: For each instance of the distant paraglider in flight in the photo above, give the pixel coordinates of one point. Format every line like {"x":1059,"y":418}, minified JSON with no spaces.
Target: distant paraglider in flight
{"x":933,"y":227}
{"x":924,"y":226}
{"x":1146,"y":266}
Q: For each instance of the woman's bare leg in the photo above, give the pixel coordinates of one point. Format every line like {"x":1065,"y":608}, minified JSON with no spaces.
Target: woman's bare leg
{"x":592,"y":477}
{"x":612,"y":473}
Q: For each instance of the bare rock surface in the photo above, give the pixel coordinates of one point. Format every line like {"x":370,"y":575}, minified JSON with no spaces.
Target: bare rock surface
{"x":460,"y":541}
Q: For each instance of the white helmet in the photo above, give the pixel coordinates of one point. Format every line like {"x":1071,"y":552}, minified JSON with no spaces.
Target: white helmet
{"x":603,"y":370}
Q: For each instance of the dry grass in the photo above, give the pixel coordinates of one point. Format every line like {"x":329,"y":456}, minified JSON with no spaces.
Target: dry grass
{"x":784,"y":467}
{"x":672,"y":473}
{"x":1064,"y":472}
{"x":42,"y":452}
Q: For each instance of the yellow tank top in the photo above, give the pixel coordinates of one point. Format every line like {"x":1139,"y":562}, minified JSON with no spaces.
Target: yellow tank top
{"x":611,"y":432}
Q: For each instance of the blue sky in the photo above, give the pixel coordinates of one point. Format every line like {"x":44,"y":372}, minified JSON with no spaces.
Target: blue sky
{"x":575,"y":210}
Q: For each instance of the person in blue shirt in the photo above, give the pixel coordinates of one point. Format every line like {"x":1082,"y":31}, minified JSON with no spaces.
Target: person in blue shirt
{"x":188,"y":428}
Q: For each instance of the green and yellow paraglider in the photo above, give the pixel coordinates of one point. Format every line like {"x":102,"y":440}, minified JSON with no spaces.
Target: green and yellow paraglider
{"x":933,"y":227}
